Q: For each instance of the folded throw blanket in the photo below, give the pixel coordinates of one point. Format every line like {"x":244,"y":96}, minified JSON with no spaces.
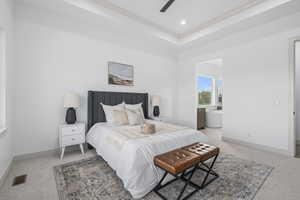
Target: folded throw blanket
{"x":121,"y":134}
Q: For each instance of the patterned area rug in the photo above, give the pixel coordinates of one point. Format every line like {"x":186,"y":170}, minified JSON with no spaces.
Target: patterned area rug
{"x":93,"y":179}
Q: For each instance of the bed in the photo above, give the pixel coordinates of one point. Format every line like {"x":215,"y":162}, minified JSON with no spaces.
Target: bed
{"x":132,"y":159}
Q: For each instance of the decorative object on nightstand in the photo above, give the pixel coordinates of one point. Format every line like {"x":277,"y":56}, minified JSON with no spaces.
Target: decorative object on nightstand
{"x":71,"y":101}
{"x":71,"y":135}
{"x":155,"y":104}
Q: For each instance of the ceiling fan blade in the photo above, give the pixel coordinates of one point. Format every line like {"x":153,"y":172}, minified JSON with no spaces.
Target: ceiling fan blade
{"x":167,"y":5}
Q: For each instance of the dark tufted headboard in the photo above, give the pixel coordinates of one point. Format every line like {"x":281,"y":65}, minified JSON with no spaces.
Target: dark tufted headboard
{"x":95,"y":110}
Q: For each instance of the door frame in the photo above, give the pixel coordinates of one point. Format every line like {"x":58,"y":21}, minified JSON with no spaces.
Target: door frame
{"x":292,"y":96}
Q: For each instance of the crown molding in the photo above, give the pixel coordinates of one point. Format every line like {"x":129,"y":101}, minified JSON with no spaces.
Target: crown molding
{"x":122,"y":19}
{"x":232,"y":18}
{"x":121,"y":16}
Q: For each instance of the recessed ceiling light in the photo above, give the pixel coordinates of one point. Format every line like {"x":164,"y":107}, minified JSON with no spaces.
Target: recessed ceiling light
{"x":183,"y":22}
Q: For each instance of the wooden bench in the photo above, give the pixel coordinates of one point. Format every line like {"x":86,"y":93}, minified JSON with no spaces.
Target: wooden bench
{"x":182,"y":164}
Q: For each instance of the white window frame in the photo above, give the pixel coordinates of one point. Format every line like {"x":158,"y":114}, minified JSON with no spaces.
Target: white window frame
{"x":217,"y":91}
{"x":3,"y":85}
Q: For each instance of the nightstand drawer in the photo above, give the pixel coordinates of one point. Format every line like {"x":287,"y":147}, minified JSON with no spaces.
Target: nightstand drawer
{"x":72,"y":139}
{"x":73,"y":130}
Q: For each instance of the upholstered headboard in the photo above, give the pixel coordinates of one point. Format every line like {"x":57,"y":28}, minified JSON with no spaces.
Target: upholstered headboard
{"x":95,"y":110}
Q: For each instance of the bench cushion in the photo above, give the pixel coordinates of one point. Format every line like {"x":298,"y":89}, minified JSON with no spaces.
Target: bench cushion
{"x":179,"y":160}
{"x":205,"y":151}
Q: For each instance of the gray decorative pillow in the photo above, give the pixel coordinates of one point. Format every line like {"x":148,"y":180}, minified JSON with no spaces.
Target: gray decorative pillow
{"x":134,"y":116}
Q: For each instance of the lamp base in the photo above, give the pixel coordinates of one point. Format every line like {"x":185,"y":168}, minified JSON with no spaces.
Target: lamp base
{"x":71,"y":116}
{"x":156,"y":111}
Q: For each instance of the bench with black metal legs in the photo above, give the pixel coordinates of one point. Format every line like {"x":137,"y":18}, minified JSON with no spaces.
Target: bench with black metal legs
{"x":182,"y":164}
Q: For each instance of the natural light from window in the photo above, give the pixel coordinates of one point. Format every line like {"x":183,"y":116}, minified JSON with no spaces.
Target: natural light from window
{"x":209,"y":91}
{"x":205,"y":90}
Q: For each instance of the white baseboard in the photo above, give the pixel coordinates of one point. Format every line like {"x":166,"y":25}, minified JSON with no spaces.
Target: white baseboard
{"x":33,"y":155}
{"x":22,"y":157}
{"x":45,"y":153}
{"x":36,"y":154}
{"x":257,"y":146}
{"x":56,"y":152}
{"x":5,"y":174}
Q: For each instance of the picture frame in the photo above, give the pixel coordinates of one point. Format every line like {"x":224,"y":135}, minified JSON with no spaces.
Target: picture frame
{"x":120,"y":74}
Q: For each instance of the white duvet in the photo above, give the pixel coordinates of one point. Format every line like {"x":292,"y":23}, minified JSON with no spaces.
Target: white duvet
{"x":133,"y":163}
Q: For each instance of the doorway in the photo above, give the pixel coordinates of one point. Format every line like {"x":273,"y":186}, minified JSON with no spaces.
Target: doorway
{"x":209,"y":93}
{"x":297,"y":97}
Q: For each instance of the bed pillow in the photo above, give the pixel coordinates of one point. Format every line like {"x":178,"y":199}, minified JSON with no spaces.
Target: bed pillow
{"x":120,"y":117}
{"x":108,"y":111}
{"x":136,"y":107}
{"x":134,"y":116}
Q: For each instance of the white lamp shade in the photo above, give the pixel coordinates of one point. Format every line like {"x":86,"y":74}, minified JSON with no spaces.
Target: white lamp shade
{"x":71,"y":100}
{"x":155,"y":100}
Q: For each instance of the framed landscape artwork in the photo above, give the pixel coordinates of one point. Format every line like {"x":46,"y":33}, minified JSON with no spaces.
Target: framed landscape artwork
{"x":120,"y":74}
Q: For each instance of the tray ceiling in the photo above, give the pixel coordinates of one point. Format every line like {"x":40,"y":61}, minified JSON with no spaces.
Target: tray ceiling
{"x":197,"y":13}
{"x":138,"y":17}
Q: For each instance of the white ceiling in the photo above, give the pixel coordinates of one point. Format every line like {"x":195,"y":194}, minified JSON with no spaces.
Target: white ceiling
{"x":197,"y":13}
{"x":203,"y":17}
{"x":139,"y":18}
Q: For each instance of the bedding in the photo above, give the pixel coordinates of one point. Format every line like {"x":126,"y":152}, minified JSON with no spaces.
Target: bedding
{"x":133,"y":159}
{"x":121,"y":134}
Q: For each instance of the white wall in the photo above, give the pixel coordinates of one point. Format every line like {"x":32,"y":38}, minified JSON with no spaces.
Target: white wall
{"x":209,"y":69}
{"x":63,"y":16}
{"x":297,"y":89}
{"x":255,"y":87}
{"x":6,"y":23}
{"x":56,"y":55}
{"x":51,"y":61}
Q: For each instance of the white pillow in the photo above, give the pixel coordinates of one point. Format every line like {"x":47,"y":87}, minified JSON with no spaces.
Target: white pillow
{"x":108,"y":110}
{"x":134,"y":116}
{"x":120,"y":117}
{"x":136,"y":107}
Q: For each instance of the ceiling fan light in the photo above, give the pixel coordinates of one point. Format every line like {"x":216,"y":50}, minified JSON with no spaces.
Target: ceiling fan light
{"x":183,"y":22}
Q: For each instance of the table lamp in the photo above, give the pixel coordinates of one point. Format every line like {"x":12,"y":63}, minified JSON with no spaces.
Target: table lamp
{"x":71,"y":101}
{"x":155,"y":104}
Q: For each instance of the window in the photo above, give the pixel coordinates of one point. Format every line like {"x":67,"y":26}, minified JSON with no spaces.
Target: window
{"x":209,"y":91}
{"x":2,"y":82}
{"x":205,"y":90}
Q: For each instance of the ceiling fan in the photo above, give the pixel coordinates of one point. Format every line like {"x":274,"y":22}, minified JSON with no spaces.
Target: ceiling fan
{"x":167,"y":5}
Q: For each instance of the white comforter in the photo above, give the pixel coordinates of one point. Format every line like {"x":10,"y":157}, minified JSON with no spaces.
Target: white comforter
{"x":133,"y":163}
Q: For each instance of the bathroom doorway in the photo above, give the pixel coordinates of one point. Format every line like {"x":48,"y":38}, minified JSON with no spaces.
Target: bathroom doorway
{"x":209,"y":89}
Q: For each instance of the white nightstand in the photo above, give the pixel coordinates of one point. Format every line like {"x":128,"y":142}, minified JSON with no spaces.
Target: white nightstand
{"x":71,"y":134}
